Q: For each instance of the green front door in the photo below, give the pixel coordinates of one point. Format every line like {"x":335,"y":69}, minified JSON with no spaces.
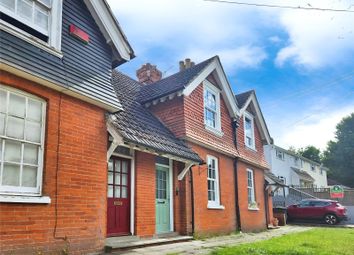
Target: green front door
{"x":162,"y":199}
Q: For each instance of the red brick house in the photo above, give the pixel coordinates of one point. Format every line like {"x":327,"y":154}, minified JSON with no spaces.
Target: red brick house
{"x":53,"y":134}
{"x":197,"y":104}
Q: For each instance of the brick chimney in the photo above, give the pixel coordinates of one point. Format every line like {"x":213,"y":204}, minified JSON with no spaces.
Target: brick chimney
{"x":187,"y":63}
{"x":148,"y":74}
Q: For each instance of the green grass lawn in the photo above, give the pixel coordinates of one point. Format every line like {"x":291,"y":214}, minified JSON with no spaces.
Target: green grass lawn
{"x":319,"y":241}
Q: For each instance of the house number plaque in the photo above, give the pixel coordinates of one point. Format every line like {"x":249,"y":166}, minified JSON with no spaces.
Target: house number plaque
{"x":118,"y":203}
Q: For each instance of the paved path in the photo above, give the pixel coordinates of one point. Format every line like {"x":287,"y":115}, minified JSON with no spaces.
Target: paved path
{"x":207,"y":245}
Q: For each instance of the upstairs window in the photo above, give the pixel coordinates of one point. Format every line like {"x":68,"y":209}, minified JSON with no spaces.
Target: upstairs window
{"x":249,"y":131}
{"x":213,"y":182}
{"x":22,"y":120}
{"x":280,"y":154}
{"x":313,"y":167}
{"x":38,"y":18}
{"x":211,"y":107}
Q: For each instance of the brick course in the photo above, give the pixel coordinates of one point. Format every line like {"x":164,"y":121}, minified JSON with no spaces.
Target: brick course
{"x":82,"y":176}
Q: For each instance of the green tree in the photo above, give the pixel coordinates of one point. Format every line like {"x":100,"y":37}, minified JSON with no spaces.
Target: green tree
{"x":310,"y":152}
{"x":339,"y":155}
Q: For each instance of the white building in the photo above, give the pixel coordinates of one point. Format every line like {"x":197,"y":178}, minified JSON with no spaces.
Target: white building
{"x":295,"y":170}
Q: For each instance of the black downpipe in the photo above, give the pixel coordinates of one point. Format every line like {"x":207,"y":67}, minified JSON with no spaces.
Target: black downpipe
{"x":192,"y":198}
{"x":235,"y":125}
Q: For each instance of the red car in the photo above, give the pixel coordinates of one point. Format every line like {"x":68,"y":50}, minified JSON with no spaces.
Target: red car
{"x":330,"y":211}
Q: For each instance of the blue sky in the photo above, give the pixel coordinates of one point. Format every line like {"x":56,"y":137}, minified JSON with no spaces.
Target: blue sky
{"x":301,"y":63}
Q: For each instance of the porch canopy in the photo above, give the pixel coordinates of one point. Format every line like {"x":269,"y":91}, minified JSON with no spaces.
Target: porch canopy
{"x":304,"y":176}
{"x":138,"y":128}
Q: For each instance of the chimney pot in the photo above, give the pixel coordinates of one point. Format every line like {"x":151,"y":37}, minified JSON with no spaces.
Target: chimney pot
{"x":188,"y":63}
{"x":181,"y":65}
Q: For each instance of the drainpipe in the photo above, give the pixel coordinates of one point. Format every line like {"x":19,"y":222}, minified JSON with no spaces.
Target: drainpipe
{"x":192,"y":198}
{"x":235,"y":125}
{"x":266,"y":204}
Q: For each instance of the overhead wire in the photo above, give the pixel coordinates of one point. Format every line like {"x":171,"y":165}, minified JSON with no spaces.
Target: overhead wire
{"x":281,"y":6}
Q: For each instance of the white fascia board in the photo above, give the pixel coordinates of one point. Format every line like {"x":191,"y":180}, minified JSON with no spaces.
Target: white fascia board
{"x":226,"y":90}
{"x":259,"y":118}
{"x":109,"y":26}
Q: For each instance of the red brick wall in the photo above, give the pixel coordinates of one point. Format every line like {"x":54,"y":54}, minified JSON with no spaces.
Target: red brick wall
{"x":195,"y":128}
{"x":209,"y":221}
{"x":251,"y":220}
{"x":82,"y":176}
{"x":144,"y":194}
{"x":171,"y":113}
{"x":256,"y":157}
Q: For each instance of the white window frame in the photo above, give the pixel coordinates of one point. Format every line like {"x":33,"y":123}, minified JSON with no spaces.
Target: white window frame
{"x":53,"y":45}
{"x":251,"y":189}
{"x":214,"y":204}
{"x":209,"y":87}
{"x":7,"y":191}
{"x":251,"y":118}
{"x":278,"y":152}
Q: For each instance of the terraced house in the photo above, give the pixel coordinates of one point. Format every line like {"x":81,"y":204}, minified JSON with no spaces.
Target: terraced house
{"x":88,"y":154}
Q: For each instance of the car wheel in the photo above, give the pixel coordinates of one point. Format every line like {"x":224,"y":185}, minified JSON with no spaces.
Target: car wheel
{"x":331,"y":219}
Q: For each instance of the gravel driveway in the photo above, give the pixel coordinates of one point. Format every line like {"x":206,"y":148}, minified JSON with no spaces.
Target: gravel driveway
{"x":207,"y":245}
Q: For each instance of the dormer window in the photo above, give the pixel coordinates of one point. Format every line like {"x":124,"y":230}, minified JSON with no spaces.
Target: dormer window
{"x":211,"y":107}
{"x":33,"y":19}
{"x":249,"y":131}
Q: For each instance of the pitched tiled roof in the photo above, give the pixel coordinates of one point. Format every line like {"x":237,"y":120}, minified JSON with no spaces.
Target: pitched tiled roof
{"x":242,"y":98}
{"x":139,"y":126}
{"x":173,"y":83}
{"x":274,"y":178}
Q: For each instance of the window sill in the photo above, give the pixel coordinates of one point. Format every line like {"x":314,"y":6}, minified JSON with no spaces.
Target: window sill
{"x":253,"y":209}
{"x":216,"y":207}
{"x":214,"y":130}
{"x":251,"y":148}
{"x":25,"y":199}
{"x":29,"y":38}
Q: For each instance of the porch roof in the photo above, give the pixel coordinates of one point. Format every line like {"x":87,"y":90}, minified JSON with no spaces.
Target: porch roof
{"x":303,"y":175}
{"x":137,"y":125}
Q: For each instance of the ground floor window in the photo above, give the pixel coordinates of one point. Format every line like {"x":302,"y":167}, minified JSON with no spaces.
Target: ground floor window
{"x":250,"y":189}
{"x":213,"y":181}
{"x":22,"y":120}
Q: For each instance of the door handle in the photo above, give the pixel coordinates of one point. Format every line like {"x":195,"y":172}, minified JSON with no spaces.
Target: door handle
{"x":160,"y":202}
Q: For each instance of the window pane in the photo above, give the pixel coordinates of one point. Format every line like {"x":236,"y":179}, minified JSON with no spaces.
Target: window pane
{"x":17,"y":105}
{"x":8,"y":4}
{"x":29,"y":176}
{"x":24,"y":9}
{"x":34,"y":111}
{"x":124,"y":167}
{"x":110,"y":191}
{"x":2,"y":124}
{"x":30,"y":155}
{"x":15,"y":127}
{"x":33,"y":131}
{"x":41,"y":18}
{"x":117,"y":178}
{"x":12,"y":151}
{"x":3,"y":99}
{"x":117,"y":192}
{"x":124,"y":179}
{"x":117,"y":169}
{"x":110,"y":178}
{"x":124,"y":192}
{"x":11,"y":175}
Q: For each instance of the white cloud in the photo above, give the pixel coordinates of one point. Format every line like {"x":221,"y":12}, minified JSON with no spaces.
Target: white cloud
{"x":317,"y":39}
{"x":195,"y":29}
{"x":316,"y":128}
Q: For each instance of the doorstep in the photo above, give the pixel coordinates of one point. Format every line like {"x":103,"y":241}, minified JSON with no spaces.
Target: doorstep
{"x":131,"y":242}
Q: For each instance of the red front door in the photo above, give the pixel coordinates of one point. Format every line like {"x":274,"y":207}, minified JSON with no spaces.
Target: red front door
{"x":118,"y":193}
